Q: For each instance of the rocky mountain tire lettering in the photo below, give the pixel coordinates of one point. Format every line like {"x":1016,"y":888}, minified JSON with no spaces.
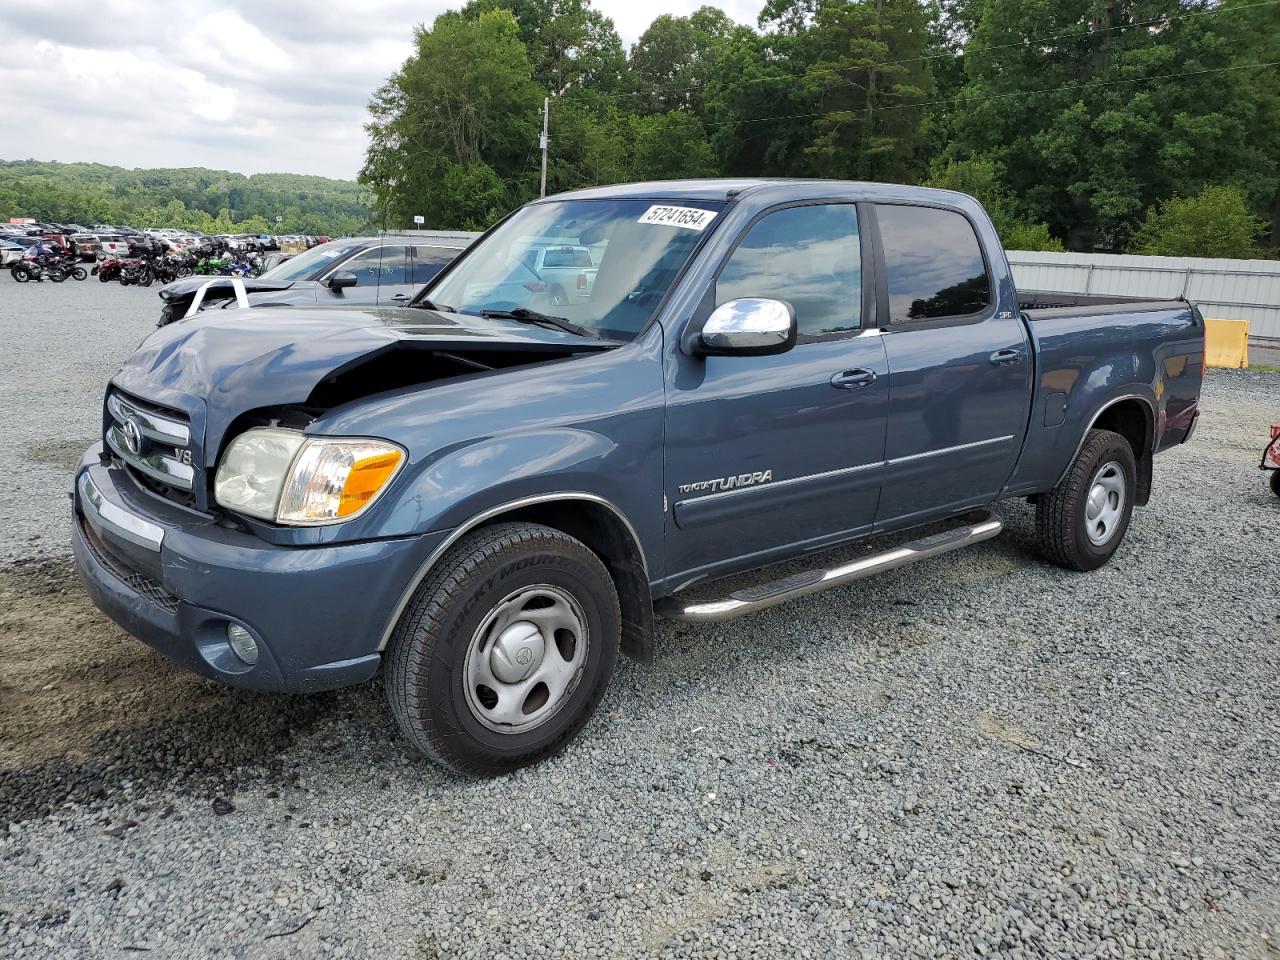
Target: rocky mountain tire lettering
{"x":720,"y":484}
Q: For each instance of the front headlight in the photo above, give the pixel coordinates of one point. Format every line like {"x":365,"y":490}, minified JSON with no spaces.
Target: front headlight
{"x":281,"y":475}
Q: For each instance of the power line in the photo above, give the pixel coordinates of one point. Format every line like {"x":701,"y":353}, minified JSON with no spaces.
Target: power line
{"x":1003,"y":96}
{"x":1031,"y":41}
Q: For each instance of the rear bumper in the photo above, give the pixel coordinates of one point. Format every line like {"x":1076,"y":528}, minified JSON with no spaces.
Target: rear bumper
{"x":175,"y":579}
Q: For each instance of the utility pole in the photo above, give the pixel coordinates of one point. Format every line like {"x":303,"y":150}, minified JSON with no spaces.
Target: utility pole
{"x":546,"y":113}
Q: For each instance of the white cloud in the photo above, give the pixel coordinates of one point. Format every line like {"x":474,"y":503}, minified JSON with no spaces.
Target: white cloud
{"x":247,"y":86}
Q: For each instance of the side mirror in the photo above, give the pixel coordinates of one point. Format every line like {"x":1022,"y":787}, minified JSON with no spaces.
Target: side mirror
{"x":750,"y":327}
{"x":342,"y":280}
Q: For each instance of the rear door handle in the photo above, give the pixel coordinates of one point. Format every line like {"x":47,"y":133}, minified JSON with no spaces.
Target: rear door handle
{"x":852,"y":379}
{"x":1003,"y":357}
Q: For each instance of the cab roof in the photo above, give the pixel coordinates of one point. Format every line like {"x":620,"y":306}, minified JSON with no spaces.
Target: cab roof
{"x":777,"y":189}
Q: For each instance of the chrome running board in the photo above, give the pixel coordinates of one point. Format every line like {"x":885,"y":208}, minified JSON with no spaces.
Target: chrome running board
{"x":741,"y":602}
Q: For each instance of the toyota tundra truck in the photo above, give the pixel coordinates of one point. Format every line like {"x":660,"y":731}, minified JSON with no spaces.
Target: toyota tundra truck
{"x":486,"y":496}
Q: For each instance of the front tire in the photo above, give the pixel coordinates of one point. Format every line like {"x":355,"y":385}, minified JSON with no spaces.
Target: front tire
{"x":1081,"y":522}
{"x":505,"y":650}
{"x":1275,"y":482}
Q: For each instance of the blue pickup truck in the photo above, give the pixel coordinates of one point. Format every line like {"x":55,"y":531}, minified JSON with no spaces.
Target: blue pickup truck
{"x":488,"y":493}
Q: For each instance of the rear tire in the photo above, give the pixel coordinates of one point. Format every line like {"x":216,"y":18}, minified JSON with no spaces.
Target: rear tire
{"x":1275,"y":482}
{"x":505,"y":650}
{"x":1081,"y":522}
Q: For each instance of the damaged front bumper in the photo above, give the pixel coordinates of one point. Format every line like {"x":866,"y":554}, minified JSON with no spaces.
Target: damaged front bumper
{"x":176,"y":579}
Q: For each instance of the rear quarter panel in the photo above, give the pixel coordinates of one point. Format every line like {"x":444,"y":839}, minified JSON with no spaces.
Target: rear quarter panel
{"x":1086,"y":360}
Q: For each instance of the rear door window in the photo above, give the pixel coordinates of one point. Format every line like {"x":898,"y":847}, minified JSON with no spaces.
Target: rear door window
{"x":428,"y":261}
{"x":933,"y":263}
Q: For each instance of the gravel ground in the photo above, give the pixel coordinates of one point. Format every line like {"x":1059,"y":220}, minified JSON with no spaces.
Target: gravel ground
{"x":62,"y":342}
{"x":977,"y":756}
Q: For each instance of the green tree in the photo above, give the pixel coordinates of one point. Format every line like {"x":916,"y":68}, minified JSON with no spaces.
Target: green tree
{"x":759,"y":111}
{"x":870,"y":69}
{"x":465,"y":99}
{"x":984,"y":180}
{"x":671,"y":62}
{"x":1214,"y":223}
{"x":1116,"y":105}
{"x":187,"y":198}
{"x":670,"y":146}
{"x":568,"y":43}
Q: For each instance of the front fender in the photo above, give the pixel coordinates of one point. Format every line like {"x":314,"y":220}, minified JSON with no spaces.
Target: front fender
{"x":466,"y":481}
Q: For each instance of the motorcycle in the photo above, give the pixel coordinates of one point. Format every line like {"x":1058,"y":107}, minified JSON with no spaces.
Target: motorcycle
{"x":71,"y":266}
{"x":168,"y":269}
{"x":108,"y":269}
{"x":38,"y":269}
{"x":135,"y":270}
{"x":209,"y":266}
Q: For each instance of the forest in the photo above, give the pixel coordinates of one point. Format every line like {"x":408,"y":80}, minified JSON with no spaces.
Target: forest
{"x":1149,"y":126}
{"x":191,"y":198}
{"x":1145,"y":126}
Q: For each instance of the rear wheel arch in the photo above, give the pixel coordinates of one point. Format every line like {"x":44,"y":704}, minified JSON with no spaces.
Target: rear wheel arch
{"x":1133,"y":417}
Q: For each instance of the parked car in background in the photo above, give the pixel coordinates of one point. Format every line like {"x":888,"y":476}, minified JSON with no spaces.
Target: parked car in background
{"x":364,"y":270}
{"x":10,"y":250}
{"x":113,"y":245}
{"x":567,"y":270}
{"x":87,"y":245}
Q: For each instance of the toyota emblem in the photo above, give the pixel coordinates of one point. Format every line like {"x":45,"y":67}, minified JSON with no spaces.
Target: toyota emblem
{"x":132,"y":437}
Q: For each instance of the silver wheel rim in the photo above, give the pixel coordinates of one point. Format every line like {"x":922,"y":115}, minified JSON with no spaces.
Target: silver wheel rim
{"x":1105,"y":504}
{"x":525,"y":659}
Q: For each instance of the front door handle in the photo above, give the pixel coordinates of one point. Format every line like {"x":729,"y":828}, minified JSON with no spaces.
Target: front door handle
{"x":852,"y":379}
{"x":1004,"y":357}
{"x":401,"y":296}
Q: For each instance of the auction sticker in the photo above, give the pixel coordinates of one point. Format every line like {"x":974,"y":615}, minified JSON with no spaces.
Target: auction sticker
{"x":690,"y":218}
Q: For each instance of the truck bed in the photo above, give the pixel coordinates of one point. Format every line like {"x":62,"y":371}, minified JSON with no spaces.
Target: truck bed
{"x":1047,"y":305}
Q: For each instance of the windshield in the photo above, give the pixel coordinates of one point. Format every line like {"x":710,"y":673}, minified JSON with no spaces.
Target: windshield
{"x":601,"y":264}
{"x":314,"y":260}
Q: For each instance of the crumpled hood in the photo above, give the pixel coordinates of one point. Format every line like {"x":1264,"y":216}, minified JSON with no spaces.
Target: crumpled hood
{"x":219,"y":365}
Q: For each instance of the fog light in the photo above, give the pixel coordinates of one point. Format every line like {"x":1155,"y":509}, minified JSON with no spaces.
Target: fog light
{"x":242,"y":643}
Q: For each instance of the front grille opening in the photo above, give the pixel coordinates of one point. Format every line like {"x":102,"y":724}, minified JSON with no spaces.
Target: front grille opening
{"x":185,"y":498}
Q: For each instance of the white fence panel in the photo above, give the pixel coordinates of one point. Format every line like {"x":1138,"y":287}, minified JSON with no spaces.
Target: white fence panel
{"x":1233,"y":289}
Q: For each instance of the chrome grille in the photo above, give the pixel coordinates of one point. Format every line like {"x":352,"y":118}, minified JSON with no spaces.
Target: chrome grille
{"x":154,"y":443}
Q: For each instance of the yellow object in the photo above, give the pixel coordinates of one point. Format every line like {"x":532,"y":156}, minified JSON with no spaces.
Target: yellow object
{"x":365,"y":479}
{"x":1226,"y":343}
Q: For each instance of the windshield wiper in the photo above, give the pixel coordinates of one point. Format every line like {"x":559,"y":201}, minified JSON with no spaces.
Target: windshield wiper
{"x":525,"y":315}
{"x":425,"y":304}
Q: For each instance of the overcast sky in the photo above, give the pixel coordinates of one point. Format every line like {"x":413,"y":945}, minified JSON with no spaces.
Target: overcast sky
{"x":234,"y":85}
